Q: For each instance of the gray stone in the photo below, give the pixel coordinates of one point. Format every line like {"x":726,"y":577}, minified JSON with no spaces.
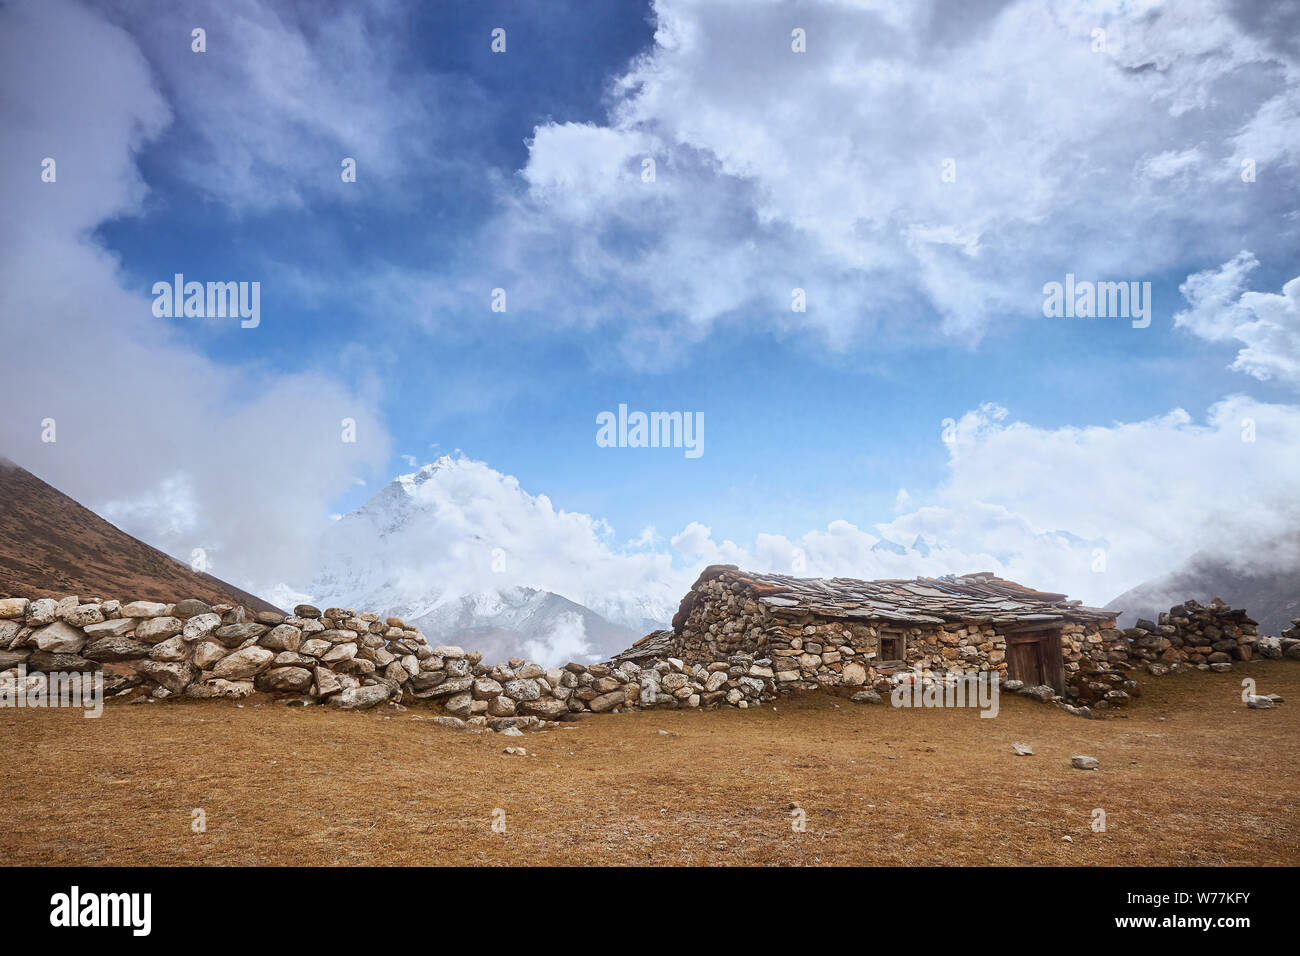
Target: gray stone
{"x":59,"y":638}
{"x":173,"y":675}
{"x":360,"y":698}
{"x":207,"y":653}
{"x":199,"y":626}
{"x":295,"y":680}
{"x":155,"y":630}
{"x":243,"y":664}
{"x":190,"y":608}
{"x":117,"y":627}
{"x":171,"y":650}
{"x":143,"y":609}
{"x":41,"y":611}
{"x":282,"y":637}
{"x":233,"y":635}
{"x":1081,"y":762}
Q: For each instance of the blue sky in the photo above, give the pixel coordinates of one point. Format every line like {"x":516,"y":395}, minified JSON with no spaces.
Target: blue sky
{"x":775,"y":169}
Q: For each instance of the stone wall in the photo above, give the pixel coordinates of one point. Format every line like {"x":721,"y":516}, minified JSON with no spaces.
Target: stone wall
{"x":807,"y":651}
{"x":1210,"y":636}
{"x":348,"y":660}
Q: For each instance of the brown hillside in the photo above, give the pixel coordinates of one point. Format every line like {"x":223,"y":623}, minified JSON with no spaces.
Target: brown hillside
{"x":50,"y":546}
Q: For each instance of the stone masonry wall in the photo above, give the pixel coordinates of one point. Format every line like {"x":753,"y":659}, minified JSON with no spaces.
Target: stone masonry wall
{"x":336,"y":656}
{"x":1208,"y":637}
{"x":807,"y":651}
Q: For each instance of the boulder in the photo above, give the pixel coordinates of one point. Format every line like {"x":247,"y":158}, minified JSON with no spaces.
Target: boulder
{"x":10,"y":659}
{"x":41,"y":611}
{"x":339,"y":652}
{"x":522,"y":689}
{"x":84,"y":614}
{"x":606,"y":701}
{"x":307,"y":611}
{"x":360,"y":698}
{"x":155,"y":630}
{"x":282,"y":637}
{"x":547,"y":707}
{"x":241,"y":665}
{"x":143,"y":609}
{"x":1082,"y":762}
{"x":117,"y":627}
{"x":191,"y":607}
{"x":59,"y":638}
{"x":326,"y":682}
{"x":13,"y":608}
{"x":295,"y":680}
{"x":455,"y":685}
{"x":173,"y":649}
{"x":173,"y":675}
{"x":207,"y":653}
{"x":232,"y":635}
{"x":49,"y":662}
{"x":459,"y":705}
{"x":314,"y":647}
{"x":216,"y":687}
{"x":199,"y":626}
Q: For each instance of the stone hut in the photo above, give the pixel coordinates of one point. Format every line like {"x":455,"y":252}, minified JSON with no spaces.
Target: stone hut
{"x":824,"y":633}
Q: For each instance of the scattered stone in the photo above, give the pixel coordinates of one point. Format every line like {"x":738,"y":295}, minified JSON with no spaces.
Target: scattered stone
{"x":1081,"y":762}
{"x":1022,"y":750}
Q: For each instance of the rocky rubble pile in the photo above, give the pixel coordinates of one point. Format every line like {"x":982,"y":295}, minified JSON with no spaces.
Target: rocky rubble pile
{"x":1207,"y":637}
{"x":1104,"y":688}
{"x":345,"y":659}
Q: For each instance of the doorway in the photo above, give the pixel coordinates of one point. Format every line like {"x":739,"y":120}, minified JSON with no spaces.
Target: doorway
{"x":1034,"y":657}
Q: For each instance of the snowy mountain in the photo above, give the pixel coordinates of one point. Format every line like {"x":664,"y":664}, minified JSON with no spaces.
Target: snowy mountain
{"x":524,"y":622}
{"x":465,"y":554}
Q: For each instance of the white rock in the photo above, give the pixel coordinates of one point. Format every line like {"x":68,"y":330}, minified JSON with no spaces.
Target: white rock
{"x":243,"y":664}
{"x":200,"y":626}
{"x":59,"y":638}
{"x":144,"y":609}
{"x":12,"y":608}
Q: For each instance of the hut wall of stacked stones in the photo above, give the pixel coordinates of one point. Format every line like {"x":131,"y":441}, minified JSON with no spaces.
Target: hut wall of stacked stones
{"x":807,"y":634}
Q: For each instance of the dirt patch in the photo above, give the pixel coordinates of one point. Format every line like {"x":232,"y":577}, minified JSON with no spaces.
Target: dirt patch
{"x":1188,"y":776}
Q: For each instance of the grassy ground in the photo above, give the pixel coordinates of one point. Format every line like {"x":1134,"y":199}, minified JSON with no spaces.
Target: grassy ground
{"x":1188,"y":776}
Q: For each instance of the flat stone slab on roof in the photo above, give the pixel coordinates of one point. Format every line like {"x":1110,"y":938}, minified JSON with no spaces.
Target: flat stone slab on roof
{"x":974,"y":598}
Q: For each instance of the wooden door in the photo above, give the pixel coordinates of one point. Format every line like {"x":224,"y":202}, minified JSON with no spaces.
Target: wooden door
{"x":1035,"y":658}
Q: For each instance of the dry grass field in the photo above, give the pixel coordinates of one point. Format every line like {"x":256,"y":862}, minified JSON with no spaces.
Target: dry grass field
{"x":1189,"y":776}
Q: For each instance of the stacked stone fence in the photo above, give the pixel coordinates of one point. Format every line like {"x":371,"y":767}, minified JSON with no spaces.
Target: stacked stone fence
{"x":1210,"y":636}
{"x":353,"y":661}
{"x":730,"y":651}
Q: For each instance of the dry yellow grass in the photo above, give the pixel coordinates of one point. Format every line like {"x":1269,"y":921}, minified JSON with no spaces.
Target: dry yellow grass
{"x":1189,"y":776}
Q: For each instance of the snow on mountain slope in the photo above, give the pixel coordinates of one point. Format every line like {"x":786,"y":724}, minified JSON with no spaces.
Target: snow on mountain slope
{"x":469,"y":557}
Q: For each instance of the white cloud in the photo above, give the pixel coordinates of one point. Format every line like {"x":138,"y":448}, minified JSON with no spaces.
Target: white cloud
{"x":1088,"y":511}
{"x":823,"y":170}
{"x":1268,"y":324}
{"x":180,"y":450}
{"x":1038,"y":505}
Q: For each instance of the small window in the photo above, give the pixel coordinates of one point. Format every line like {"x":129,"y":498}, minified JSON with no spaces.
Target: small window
{"x":891,"y":647}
